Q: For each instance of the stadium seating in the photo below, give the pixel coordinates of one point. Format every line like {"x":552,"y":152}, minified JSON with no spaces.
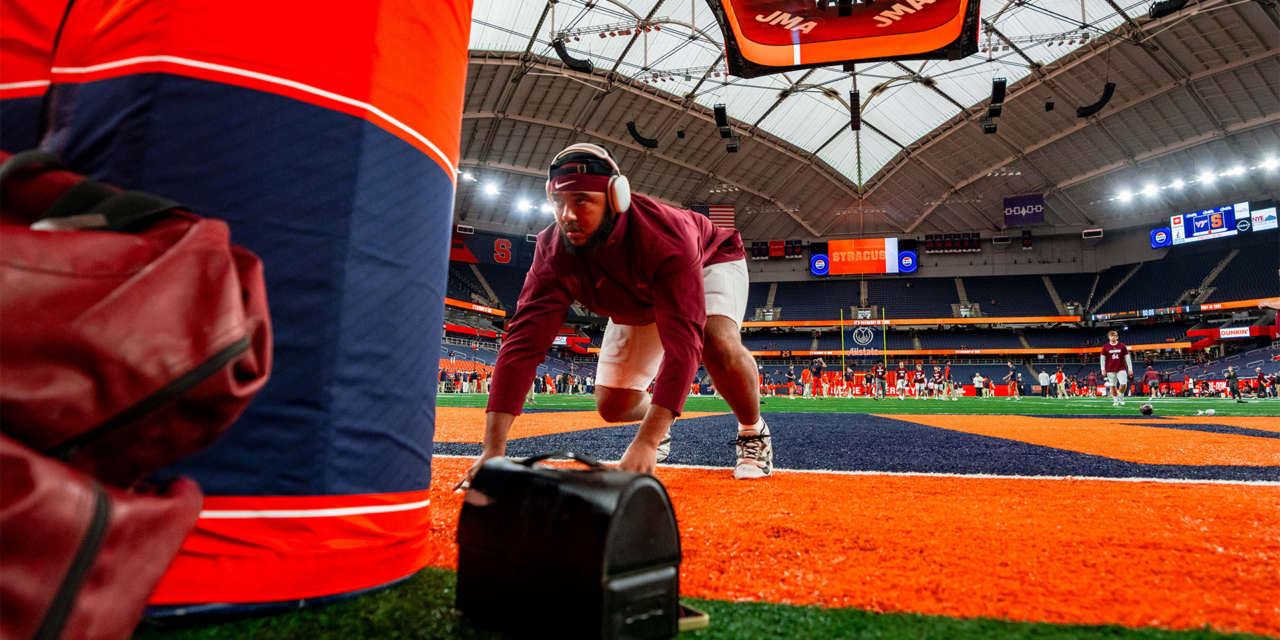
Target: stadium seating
{"x":815,"y":300}
{"x":1161,"y":283}
{"x":1010,"y":295}
{"x":1073,"y":287}
{"x":913,"y":297}
{"x":1057,"y":338}
{"x":1150,"y":334}
{"x":969,"y":339}
{"x":505,"y":281}
{"x":1250,"y":275}
{"x":464,"y":283}
{"x":757,"y":295}
{"x":778,"y":341}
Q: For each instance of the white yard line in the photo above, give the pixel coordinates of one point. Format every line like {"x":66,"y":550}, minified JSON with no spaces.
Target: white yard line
{"x":976,"y":476}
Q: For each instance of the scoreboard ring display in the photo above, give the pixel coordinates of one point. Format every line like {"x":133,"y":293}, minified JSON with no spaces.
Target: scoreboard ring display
{"x":1218,"y":222}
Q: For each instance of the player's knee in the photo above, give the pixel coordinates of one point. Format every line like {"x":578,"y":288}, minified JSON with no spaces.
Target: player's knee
{"x":612,"y":412}
{"x":717,"y":351}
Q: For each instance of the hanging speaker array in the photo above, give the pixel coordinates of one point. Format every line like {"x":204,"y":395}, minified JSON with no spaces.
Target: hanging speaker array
{"x":722,"y":121}
{"x":1107,"y":92}
{"x":855,"y":111}
{"x":997,"y":98}
{"x":580,"y":65}
{"x":648,"y":143}
{"x":1166,"y":7}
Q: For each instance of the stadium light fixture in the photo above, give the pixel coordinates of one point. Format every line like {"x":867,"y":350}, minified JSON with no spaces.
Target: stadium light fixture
{"x":1177,"y":184}
{"x":466,"y":175}
{"x":1236,"y":171}
{"x":546,"y":208}
{"x":1125,"y":196}
{"x":491,"y":189}
{"x":1270,"y":163}
{"x":1150,"y":190}
{"x":524,"y":205}
{"x":1208,"y":177}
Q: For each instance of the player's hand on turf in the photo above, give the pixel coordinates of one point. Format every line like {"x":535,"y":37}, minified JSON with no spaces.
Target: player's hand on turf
{"x":465,"y":482}
{"x":639,"y":458}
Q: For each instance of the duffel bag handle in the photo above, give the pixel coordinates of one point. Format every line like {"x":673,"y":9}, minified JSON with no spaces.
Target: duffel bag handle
{"x":19,"y":161}
{"x":90,"y":204}
{"x":595,"y":465}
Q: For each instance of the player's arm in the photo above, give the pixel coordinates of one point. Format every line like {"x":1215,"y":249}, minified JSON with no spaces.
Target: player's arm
{"x":1128,"y":362}
{"x":540,"y":311}
{"x":1102,"y":363}
{"x":681,"y":315}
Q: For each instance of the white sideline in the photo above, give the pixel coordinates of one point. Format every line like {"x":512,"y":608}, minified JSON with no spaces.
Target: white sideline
{"x":266,"y":78}
{"x":312,"y":513}
{"x":978,"y":476}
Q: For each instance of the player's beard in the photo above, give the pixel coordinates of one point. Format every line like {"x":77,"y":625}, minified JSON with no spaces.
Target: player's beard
{"x":597,"y":237}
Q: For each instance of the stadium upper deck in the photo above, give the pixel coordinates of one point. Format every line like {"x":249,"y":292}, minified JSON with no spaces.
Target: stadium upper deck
{"x":1186,"y":275}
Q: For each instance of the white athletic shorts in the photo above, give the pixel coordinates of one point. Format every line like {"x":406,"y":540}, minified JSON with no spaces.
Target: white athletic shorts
{"x":1121,"y":376}
{"x":631,"y":356}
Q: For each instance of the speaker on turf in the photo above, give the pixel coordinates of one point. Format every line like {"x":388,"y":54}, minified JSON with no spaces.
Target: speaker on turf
{"x":577,"y":554}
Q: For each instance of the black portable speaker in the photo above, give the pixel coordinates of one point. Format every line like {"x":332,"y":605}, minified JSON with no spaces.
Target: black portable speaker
{"x":569,"y":553}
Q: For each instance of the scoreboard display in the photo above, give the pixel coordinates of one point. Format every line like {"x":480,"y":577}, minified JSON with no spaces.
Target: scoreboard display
{"x":1218,"y":222}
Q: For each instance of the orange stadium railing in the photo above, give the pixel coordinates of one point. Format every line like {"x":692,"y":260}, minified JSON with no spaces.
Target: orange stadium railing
{"x":957,"y":352}
{"x":475,"y":307}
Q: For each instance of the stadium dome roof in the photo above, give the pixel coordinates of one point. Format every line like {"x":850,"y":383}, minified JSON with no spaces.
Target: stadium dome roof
{"x":1197,"y":92}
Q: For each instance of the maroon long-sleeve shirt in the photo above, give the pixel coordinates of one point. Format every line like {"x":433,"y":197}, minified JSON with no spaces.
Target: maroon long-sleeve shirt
{"x":648,"y":270}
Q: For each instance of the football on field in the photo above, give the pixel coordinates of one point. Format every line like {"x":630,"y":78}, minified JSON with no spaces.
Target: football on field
{"x":1146,"y":410}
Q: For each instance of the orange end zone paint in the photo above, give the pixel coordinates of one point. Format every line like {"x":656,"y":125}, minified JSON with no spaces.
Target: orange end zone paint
{"x":1061,"y":551}
{"x":462,"y":424}
{"x":1117,"y":438}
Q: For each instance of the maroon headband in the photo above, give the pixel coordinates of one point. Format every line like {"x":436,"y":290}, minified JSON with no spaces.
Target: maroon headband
{"x":580,"y":182}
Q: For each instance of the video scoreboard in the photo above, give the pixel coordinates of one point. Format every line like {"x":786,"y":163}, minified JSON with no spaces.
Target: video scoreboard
{"x":1218,"y":222}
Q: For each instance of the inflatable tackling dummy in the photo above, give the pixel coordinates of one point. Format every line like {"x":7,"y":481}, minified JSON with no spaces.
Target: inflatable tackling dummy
{"x":326,"y":135}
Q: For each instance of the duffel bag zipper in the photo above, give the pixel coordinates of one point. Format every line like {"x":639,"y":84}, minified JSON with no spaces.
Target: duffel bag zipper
{"x":159,"y":398}
{"x":55,"y":619}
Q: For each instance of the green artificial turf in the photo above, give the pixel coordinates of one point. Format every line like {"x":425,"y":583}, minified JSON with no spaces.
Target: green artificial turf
{"x":1026,"y":406}
{"x":422,"y":607}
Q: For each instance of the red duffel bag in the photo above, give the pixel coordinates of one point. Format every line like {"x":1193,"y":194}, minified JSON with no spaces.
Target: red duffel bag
{"x":133,"y":332}
{"x":80,"y":559}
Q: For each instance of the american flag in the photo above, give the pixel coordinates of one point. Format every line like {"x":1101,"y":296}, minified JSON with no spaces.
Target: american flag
{"x":721,"y":215}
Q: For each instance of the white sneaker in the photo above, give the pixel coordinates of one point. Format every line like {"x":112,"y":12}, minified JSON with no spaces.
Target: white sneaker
{"x":664,"y":447}
{"x":755,"y":453}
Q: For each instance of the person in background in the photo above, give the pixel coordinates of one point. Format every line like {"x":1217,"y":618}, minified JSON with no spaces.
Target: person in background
{"x":1061,"y":379}
{"x":791,"y":383}
{"x":1011,"y":380}
{"x":1044,"y":383}
{"x":1152,"y":381}
{"x":979,"y":392}
{"x":1117,"y":366}
{"x":1233,"y":383}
